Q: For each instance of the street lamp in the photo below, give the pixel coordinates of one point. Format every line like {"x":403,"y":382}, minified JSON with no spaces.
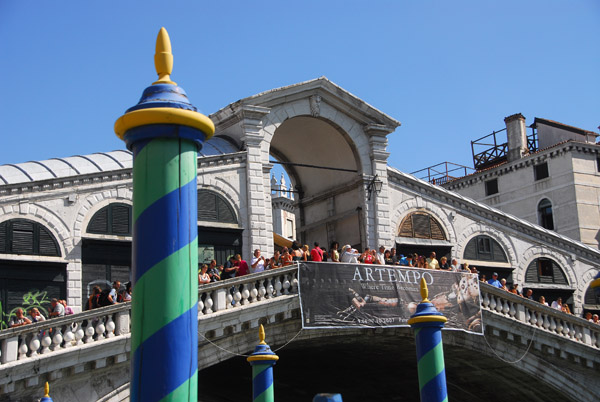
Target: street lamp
{"x":374,"y":185}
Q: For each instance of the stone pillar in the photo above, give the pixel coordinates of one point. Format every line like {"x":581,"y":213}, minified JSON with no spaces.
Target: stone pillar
{"x":516,"y":134}
{"x":377,"y":211}
{"x":258,"y":170}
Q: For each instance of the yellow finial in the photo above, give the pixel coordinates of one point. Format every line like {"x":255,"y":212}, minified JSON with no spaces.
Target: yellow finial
{"x":424,"y":291}
{"x":261,"y":335}
{"x":163,"y":58}
{"x":47,"y":390}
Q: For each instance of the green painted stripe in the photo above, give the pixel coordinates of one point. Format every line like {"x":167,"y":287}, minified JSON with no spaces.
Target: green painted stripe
{"x":430,"y":365}
{"x":445,"y":399}
{"x":259,"y":368}
{"x":188,"y":391}
{"x":266,"y":396}
{"x":160,"y":161}
{"x":170,"y":276}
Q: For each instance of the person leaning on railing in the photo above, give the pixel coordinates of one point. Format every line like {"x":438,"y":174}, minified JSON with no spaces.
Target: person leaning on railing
{"x":19,"y":319}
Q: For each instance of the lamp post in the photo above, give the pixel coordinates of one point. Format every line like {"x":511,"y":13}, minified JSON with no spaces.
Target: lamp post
{"x":374,"y":186}
{"x":164,"y":131}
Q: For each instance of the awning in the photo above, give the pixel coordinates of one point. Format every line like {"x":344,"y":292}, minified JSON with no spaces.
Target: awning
{"x":281,"y":241}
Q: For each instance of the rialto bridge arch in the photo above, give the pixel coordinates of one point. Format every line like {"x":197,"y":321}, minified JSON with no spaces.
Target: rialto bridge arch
{"x":331,"y":144}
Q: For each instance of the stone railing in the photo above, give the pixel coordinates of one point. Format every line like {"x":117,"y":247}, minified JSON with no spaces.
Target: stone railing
{"x":233,"y":293}
{"x":65,"y":332}
{"x":101,"y":324}
{"x":58,"y":334}
{"x":536,"y":315}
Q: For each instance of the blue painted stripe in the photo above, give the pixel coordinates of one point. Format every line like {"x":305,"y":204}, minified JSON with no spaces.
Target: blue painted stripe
{"x":435,"y":390}
{"x":428,"y":338}
{"x":138,"y":146}
{"x":262,"y":381}
{"x":173,"y":131}
{"x":157,"y":235}
{"x":167,"y":362}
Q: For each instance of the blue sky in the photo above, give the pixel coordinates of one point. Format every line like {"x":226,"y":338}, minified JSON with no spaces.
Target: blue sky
{"x":449,"y":71}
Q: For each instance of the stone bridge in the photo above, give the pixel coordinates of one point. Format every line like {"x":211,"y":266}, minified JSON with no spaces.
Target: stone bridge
{"x":529,"y":352}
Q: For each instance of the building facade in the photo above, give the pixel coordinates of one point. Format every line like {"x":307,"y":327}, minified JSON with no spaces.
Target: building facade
{"x":65,"y":224}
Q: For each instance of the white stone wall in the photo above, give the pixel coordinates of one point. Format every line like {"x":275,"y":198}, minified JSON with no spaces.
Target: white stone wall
{"x":523,"y":243}
{"x":573,"y":187}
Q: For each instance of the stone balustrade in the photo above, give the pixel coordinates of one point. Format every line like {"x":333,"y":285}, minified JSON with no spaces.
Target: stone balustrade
{"x":43,"y":351}
{"x":237,"y":292}
{"x":536,"y":315}
{"x":57,"y":334}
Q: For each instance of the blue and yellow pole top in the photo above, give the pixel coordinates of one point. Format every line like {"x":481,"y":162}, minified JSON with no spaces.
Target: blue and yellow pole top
{"x":164,"y":103}
{"x":262,"y":353}
{"x":426,"y":311}
{"x":46,"y":397}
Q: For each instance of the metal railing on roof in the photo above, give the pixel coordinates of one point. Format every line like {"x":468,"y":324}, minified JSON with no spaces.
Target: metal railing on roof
{"x":488,"y":150}
{"x":443,"y":173}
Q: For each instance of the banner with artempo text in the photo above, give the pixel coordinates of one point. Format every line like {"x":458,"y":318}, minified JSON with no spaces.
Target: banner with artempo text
{"x":338,"y":295}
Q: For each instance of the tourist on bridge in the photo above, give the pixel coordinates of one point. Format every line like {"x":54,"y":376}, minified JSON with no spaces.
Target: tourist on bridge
{"x":203,"y":277}
{"x":557,"y":304}
{"x":494,"y":281}
{"x":257,"y":263}
{"x":349,"y":255}
{"x":35,"y":316}
{"x":230,"y":269}
{"x":19,"y":319}
{"x":334,"y":253}
{"x":242,"y":266}
{"x":432,"y":262}
{"x":380,"y":256}
{"x":56,"y":309}
{"x":316,"y":254}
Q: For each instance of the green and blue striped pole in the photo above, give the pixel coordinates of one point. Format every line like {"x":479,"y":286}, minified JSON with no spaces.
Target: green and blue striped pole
{"x":164,"y":131}
{"x":428,"y":323}
{"x":262,"y":362}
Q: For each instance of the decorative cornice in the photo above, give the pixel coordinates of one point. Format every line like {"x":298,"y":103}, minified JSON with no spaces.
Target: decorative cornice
{"x":110,"y":176}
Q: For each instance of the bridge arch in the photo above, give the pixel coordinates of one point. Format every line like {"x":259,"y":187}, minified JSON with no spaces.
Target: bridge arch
{"x":329,"y":194}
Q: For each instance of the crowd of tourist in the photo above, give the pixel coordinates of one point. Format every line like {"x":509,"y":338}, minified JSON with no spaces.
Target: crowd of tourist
{"x":236,"y":266}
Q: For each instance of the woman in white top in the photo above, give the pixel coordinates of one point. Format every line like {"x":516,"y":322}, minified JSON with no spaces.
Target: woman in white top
{"x":203,"y":275}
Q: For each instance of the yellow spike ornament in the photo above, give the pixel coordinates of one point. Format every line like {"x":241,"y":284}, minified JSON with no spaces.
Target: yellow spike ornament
{"x":163,"y":58}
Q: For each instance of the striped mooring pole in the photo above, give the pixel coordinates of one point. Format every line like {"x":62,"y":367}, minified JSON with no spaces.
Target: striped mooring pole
{"x":427,"y":323}
{"x":262,"y":361}
{"x":164,"y":132}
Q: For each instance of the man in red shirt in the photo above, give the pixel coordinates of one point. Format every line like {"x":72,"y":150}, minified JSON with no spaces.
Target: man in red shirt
{"x":316,"y":254}
{"x":242,"y":266}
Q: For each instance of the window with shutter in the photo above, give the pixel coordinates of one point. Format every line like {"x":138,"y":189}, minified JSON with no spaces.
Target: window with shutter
{"x":114,"y":219}
{"x":214,"y":208}
{"x":22,"y":236}
{"x":484,"y":248}
{"x":421,"y":225}
{"x":545,"y":270}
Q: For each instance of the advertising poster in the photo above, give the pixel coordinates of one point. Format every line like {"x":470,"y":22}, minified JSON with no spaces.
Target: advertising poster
{"x":338,"y":295}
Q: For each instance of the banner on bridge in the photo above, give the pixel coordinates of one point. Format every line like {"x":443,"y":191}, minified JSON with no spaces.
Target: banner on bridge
{"x":338,"y":295}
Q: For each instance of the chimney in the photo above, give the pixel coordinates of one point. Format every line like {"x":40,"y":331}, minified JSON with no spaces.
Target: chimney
{"x":517,"y":136}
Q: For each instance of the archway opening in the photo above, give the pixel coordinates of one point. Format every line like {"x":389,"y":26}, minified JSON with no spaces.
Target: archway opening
{"x":324,"y":172}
